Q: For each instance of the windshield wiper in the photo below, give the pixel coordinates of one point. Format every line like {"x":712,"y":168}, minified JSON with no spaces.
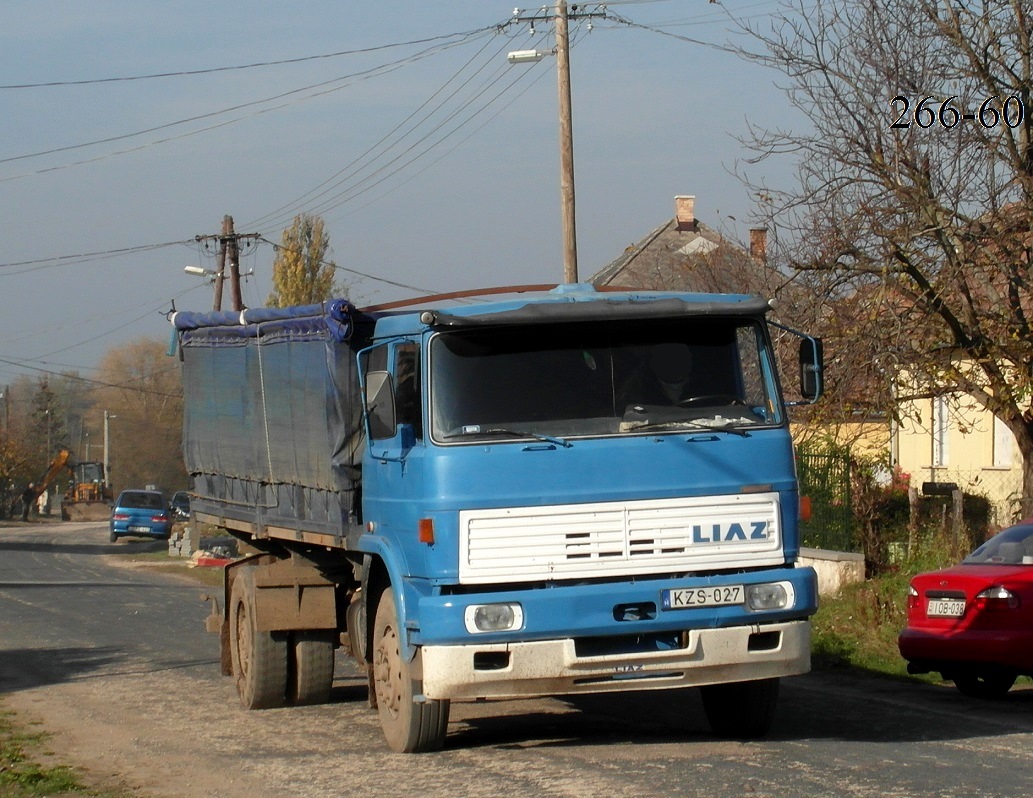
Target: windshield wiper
{"x":467,"y":432}
{"x":711,"y":424}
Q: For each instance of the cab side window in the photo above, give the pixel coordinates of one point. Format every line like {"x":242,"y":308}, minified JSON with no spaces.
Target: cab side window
{"x":408,"y":406}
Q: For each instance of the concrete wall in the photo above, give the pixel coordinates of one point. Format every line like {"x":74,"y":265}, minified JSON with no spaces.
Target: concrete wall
{"x":835,"y":569}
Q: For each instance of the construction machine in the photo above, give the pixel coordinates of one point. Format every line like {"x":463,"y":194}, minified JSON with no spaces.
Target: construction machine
{"x":89,"y":495}
{"x":40,"y":485}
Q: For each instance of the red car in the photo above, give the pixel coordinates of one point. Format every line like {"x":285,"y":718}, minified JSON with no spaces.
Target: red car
{"x":973,"y":623}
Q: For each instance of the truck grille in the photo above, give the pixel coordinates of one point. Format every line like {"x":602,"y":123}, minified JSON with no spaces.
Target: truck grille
{"x":617,"y":538}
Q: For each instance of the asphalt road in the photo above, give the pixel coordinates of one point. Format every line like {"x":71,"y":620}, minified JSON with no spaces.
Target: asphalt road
{"x":115,"y":662}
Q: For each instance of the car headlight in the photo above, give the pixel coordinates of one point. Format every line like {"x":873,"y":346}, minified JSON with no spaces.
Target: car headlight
{"x":770,"y":596}
{"x":482,"y":618}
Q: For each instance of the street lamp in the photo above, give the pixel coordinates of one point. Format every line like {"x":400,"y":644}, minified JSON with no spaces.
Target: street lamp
{"x":526,"y":56}
{"x":200,"y":272}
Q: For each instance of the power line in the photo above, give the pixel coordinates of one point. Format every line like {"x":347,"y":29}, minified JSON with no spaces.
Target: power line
{"x":296,"y":203}
{"x":361,"y":74}
{"x":281,"y":248}
{"x":212,"y":70}
{"x":354,"y":190}
{"x":85,"y":257}
{"x":89,"y":381}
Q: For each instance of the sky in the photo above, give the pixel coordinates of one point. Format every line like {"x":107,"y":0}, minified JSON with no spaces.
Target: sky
{"x":129,"y":128}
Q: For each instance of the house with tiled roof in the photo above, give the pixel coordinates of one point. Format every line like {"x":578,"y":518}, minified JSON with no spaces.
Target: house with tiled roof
{"x":685,"y":254}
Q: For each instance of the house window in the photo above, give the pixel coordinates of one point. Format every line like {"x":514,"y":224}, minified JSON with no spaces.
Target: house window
{"x":941,"y":430}
{"x":1004,"y":443}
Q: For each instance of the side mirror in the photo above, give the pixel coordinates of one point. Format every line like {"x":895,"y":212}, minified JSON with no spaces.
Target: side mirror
{"x":380,"y":405}
{"x":812,"y":369}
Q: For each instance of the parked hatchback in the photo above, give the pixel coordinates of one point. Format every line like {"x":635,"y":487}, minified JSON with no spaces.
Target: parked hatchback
{"x":973,"y":623}
{"x":143,"y":513}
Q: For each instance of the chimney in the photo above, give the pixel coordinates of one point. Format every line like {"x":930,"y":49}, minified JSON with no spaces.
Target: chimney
{"x":759,"y":243}
{"x":685,"y":211}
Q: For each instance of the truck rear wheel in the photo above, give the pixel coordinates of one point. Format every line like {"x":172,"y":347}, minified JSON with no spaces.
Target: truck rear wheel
{"x":311,"y":673}
{"x":259,"y":658}
{"x":741,"y":710}
{"x":409,"y":727}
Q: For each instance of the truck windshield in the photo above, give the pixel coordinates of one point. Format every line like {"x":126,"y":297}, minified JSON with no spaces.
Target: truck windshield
{"x":552,"y":382}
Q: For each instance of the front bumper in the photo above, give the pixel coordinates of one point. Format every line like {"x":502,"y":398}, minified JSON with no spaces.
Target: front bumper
{"x":553,"y":667}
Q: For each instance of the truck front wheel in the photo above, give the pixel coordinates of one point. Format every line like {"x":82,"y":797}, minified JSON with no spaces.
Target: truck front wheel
{"x":741,"y":710}
{"x":408,"y":726}
{"x":259,"y":658}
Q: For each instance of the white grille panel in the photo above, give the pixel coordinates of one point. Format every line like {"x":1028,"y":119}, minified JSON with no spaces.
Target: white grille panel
{"x":515,"y":544}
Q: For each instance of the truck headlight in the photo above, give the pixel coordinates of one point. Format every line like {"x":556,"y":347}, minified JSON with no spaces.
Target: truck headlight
{"x":493,"y":618}
{"x":770,"y":596}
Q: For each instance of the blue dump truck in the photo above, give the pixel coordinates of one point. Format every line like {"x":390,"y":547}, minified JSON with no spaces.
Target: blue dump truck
{"x":531,"y":493}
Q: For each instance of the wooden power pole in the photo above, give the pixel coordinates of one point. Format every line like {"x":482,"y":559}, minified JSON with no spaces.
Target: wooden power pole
{"x":561,"y":17}
{"x":229,"y":262}
{"x":566,"y":146}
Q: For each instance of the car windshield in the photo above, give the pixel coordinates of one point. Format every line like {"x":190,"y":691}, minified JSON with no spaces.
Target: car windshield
{"x":138,"y":500}
{"x":1013,"y":546}
{"x":552,"y":382}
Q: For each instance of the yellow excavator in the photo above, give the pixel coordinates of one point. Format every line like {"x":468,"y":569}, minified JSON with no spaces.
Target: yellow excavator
{"x":89,"y":495}
{"x":41,"y":484}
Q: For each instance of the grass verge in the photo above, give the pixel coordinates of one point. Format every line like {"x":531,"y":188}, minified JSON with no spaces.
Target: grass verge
{"x":23,"y":773}
{"x":859,"y":627}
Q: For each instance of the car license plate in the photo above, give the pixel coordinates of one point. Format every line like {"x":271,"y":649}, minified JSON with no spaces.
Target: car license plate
{"x":139,"y":529}
{"x":946,"y":608}
{"x":686,"y":598}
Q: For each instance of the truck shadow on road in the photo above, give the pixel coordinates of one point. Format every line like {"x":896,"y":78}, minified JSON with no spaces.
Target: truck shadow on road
{"x":855,"y":710}
{"x":29,"y":668}
{"x":26,"y":668}
{"x":54,"y":547}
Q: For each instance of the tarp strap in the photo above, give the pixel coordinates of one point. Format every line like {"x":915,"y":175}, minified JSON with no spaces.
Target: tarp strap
{"x":265,"y":411}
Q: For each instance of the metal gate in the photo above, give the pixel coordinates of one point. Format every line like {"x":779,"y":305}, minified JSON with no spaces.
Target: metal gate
{"x":825,"y":478}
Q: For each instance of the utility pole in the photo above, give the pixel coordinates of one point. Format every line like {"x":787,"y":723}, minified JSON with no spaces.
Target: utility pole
{"x":566,"y":146}
{"x":107,"y":462}
{"x":232,"y":252}
{"x":229,"y":251}
{"x":560,"y":18}
{"x":220,"y":276}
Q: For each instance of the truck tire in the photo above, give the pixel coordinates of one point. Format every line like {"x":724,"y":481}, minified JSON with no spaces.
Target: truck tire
{"x":409,"y":727}
{"x":741,"y":710}
{"x":311,"y":672}
{"x":259,"y":658}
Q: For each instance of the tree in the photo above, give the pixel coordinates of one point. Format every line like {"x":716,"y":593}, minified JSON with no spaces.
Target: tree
{"x":915,"y":187}
{"x":15,"y":471}
{"x":302,"y":273}
{"x":143,"y":396}
{"x":48,"y":423}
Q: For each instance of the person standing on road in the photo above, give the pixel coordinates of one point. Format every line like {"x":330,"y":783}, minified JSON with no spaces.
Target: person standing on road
{"x":28,"y":497}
